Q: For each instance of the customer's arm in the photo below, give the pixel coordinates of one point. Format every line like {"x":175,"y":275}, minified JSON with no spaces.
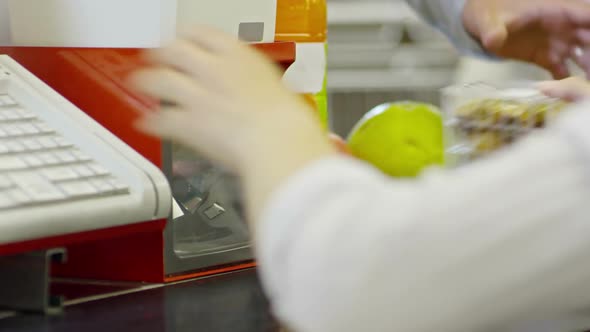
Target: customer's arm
{"x":343,"y":248}
{"x":546,"y":33}
{"x":446,"y":16}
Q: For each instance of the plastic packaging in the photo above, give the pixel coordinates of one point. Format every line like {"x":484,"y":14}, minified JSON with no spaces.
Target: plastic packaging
{"x":480,"y":118}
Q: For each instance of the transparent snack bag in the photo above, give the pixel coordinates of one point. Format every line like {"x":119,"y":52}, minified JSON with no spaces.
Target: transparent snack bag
{"x":480,"y":118}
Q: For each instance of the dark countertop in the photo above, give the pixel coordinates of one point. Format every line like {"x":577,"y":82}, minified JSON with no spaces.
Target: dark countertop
{"x":232,"y":303}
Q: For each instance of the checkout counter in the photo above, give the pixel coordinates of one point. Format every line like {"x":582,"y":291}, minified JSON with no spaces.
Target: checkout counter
{"x":232,"y":303}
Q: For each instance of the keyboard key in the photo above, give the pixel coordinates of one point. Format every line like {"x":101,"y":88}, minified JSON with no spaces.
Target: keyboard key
{"x":38,"y":165}
{"x":6,"y":202}
{"x":32,"y":145}
{"x":99,"y":169}
{"x":103,"y":186}
{"x":29,"y":129}
{"x":33,"y":161}
{"x":44,"y":128}
{"x":81,"y":156}
{"x":60,"y":174}
{"x":10,"y":115}
{"x":7,"y":100}
{"x":65,"y":157}
{"x":5,"y":182}
{"x":78,"y":189}
{"x":13,"y":131}
{"x":83,"y":171}
{"x":48,"y":159}
{"x":39,"y":189}
{"x":8,"y":163}
{"x":62,"y":142}
{"x":14,"y":146}
{"x":119,"y":186}
{"x":47,"y":142}
{"x":20,"y":197}
{"x":26,"y":114}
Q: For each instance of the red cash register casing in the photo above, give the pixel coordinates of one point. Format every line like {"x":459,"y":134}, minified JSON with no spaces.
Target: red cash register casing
{"x":94,"y":80}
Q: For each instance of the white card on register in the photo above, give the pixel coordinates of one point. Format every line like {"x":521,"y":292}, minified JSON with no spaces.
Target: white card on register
{"x":92,"y":23}
{"x":231,"y":16}
{"x":308,"y":72}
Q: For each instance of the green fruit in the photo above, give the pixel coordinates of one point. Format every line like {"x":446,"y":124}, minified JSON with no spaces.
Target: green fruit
{"x":322,"y":106}
{"x":401,"y":139}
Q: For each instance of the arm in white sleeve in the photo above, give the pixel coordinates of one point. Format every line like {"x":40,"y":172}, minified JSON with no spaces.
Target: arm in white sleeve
{"x":446,"y":15}
{"x":343,"y":248}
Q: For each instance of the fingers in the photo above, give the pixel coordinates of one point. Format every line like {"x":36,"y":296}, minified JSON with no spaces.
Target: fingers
{"x":218,"y":42}
{"x":169,"y":123}
{"x":551,"y":61}
{"x":582,"y":36}
{"x":339,"y":143}
{"x":483,"y":19}
{"x":183,"y":56}
{"x":211,"y":39}
{"x":493,"y":32}
{"x":571,"y":89}
{"x":557,"y":57}
{"x":581,"y":57}
{"x":494,"y":39}
{"x":559,"y":71}
{"x":166,"y":85}
{"x":578,"y":12}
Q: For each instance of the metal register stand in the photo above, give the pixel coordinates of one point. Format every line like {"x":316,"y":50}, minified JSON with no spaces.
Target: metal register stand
{"x":25,"y":282}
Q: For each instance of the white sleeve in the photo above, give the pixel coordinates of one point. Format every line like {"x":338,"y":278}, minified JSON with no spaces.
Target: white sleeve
{"x":343,"y":248}
{"x":446,"y":15}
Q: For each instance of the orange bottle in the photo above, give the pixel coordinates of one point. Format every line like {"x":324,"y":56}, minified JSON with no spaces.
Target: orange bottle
{"x":301,"y":21}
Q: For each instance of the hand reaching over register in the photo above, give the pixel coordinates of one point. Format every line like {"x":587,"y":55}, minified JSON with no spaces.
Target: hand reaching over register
{"x":342,"y":247}
{"x":544,"y":32}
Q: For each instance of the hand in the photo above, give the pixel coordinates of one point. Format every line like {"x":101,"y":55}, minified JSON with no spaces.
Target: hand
{"x":230,"y":105}
{"x":572,"y":89}
{"x":339,"y":143}
{"x":543,"y":32}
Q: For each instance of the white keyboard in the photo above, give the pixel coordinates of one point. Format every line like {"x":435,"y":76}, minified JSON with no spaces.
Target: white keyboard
{"x":40,"y":166}
{"x":60,"y":171}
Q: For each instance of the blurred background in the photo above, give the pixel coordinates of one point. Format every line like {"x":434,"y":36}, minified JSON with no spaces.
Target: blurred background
{"x":380,"y":51}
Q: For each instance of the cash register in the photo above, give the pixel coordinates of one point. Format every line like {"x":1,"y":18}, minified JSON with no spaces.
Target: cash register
{"x":123,"y":205}
{"x":85,"y":196}
{"x":61,"y":172}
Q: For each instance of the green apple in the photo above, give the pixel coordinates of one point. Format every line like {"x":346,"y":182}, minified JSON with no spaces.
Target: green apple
{"x":400,"y":139}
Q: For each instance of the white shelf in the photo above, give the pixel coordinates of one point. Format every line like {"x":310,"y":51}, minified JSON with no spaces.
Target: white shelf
{"x":413,"y":55}
{"x":347,"y":80}
{"x":344,"y":13}
{"x":365,"y":53}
